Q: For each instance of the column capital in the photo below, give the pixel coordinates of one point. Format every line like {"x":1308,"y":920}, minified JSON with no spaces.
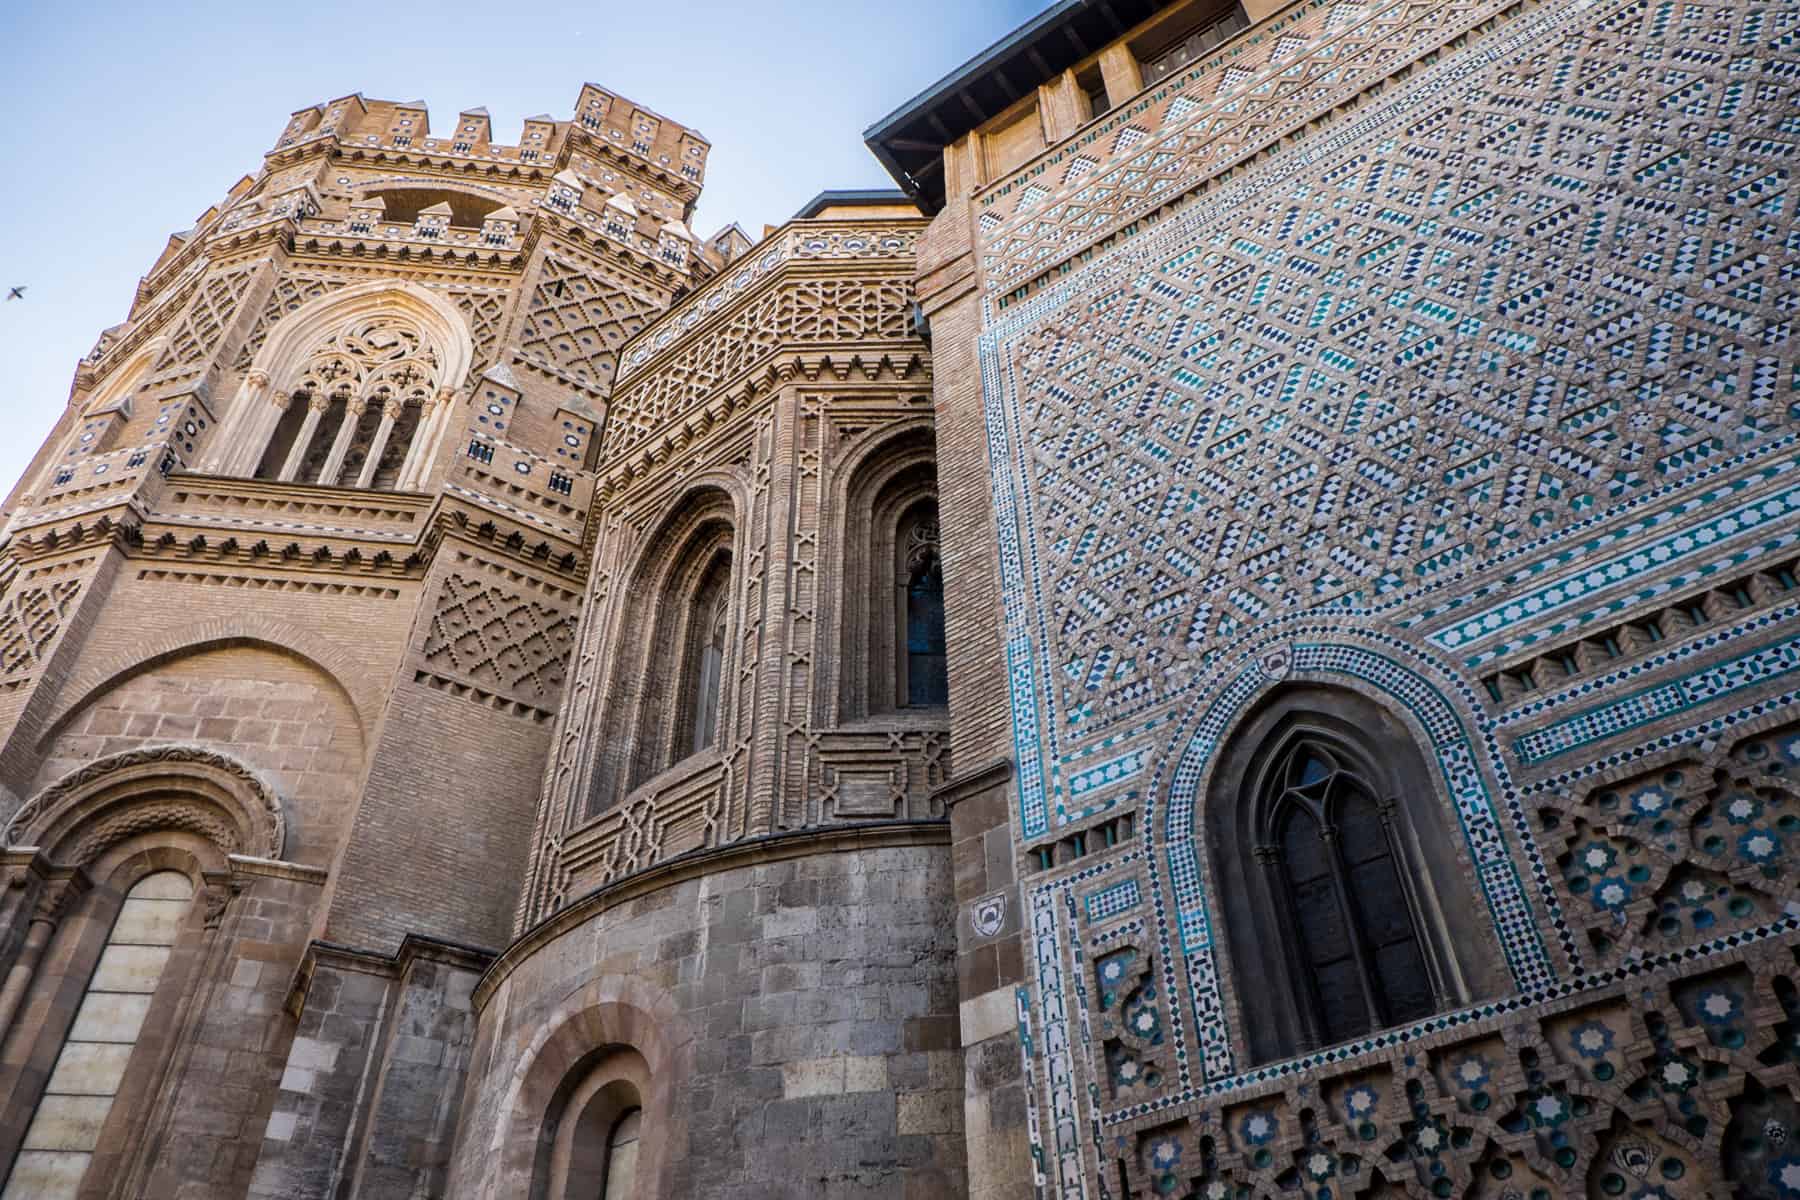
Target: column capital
{"x":256,"y":379}
{"x":320,"y":402}
{"x":58,"y":897}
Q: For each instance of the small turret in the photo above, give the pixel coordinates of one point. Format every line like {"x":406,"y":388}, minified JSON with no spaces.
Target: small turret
{"x":565,"y":192}
{"x":535,"y":141}
{"x":365,"y":214}
{"x":411,"y":120}
{"x":473,"y":132}
{"x":433,"y":222}
{"x":500,"y":227}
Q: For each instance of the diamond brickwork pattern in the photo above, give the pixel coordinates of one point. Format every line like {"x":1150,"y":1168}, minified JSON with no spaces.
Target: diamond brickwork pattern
{"x":840,"y":310}
{"x":30,"y":618}
{"x":576,"y":323}
{"x":501,"y":638}
{"x":196,"y":338}
{"x":290,"y":292}
{"x":485,"y":311}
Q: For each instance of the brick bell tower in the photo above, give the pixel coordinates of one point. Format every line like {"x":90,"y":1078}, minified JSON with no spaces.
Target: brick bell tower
{"x":286,"y":606}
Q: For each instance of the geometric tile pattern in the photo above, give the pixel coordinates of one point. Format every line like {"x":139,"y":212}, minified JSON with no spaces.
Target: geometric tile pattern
{"x":1279,"y":77}
{"x":1337,"y":385}
{"x":1533,"y":299}
{"x":1587,"y":576}
{"x":1109,"y":902}
{"x":1673,"y":696}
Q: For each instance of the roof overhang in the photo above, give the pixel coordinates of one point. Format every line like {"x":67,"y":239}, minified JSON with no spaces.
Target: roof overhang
{"x":910,"y":140}
{"x":852,"y":198}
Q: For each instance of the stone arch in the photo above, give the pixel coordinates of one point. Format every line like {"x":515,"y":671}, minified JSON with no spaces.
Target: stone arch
{"x":413,"y":374}
{"x":1382,"y":788}
{"x":879,"y":476}
{"x":283,"y":353}
{"x":389,"y":183}
{"x":702,"y":530}
{"x":609,"y":1011}
{"x":663,"y":540}
{"x":331,"y":661}
{"x":123,"y":378}
{"x":1472,"y":774}
{"x":169,"y":787}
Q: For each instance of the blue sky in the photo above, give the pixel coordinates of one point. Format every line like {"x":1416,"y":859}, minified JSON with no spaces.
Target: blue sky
{"x":126,"y":121}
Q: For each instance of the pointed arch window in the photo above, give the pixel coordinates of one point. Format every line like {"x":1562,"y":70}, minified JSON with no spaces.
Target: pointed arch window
{"x":1349,"y":920}
{"x":1344,"y":902}
{"x":920,"y":665}
{"x":355,"y":408}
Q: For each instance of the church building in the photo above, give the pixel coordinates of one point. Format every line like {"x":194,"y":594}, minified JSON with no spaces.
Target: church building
{"x":1235,"y":634}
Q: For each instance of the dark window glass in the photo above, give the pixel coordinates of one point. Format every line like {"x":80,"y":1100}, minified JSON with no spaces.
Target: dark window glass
{"x":927,"y":678}
{"x":1351,"y":924}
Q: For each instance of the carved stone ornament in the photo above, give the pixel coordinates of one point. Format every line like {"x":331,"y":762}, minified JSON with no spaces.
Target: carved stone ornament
{"x":162,"y":787}
{"x":988,"y":914}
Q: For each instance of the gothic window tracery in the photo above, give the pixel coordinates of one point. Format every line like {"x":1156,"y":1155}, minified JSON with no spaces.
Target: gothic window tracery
{"x":1345,"y":908}
{"x":1344,"y":905}
{"x":921,"y":664}
{"x":368,"y":384}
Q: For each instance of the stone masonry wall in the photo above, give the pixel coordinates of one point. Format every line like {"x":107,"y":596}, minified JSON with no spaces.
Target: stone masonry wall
{"x":803,"y":1011}
{"x":268,"y":710}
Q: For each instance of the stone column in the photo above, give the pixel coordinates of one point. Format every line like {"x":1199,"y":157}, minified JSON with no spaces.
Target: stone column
{"x":51,"y":906}
{"x":433,"y":424}
{"x":226,"y":449}
{"x":334,"y":463}
{"x":315,"y":412}
{"x":389,"y":414}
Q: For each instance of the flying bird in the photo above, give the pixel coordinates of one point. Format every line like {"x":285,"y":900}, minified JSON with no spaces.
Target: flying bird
{"x":17,"y":293}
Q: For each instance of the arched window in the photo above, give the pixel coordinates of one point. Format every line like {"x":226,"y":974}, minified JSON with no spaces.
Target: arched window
{"x":1346,"y":908}
{"x":1335,"y":865}
{"x":883,"y":512}
{"x":673,"y":697}
{"x":706,"y":654}
{"x":65,"y":1130}
{"x":924,"y":679}
{"x":595,"y":1138}
{"x":355,"y":408}
{"x":352,"y":389}
{"x":621,"y":1156}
